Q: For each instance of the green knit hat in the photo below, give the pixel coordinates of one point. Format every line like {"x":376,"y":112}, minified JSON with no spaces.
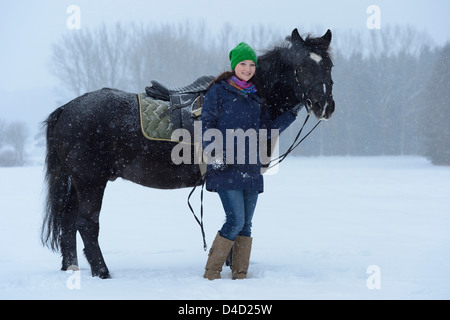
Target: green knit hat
{"x":240,"y":53}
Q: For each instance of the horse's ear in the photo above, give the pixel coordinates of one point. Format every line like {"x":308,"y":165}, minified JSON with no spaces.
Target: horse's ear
{"x":327,"y":38}
{"x":296,"y":39}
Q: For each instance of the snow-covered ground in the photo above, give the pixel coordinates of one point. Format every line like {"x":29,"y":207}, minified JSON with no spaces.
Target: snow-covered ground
{"x":326,"y":228}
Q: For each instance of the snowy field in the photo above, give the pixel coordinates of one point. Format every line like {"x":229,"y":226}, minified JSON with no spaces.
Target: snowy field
{"x":326,"y":228}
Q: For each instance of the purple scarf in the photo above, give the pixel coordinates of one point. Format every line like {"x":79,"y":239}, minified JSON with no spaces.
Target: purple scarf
{"x":244,"y":86}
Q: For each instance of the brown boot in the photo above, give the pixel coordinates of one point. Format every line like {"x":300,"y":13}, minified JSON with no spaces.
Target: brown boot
{"x":217,"y":256}
{"x":241,"y":256}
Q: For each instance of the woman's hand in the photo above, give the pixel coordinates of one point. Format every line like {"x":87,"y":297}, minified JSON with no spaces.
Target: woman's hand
{"x":218,"y":164}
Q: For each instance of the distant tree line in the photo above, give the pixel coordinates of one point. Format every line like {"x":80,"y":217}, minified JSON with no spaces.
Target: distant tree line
{"x":391,"y":87}
{"x":435,"y":110}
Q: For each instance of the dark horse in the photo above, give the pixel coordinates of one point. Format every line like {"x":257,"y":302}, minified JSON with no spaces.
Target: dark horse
{"x":97,"y":138}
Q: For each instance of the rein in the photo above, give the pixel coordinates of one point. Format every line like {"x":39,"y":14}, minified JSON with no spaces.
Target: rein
{"x":296,"y":141}
{"x":201,"y":181}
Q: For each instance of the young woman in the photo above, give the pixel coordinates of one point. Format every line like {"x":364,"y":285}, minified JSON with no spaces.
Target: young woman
{"x":232,"y":103}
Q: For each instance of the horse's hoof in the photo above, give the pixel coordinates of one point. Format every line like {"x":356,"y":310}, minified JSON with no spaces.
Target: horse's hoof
{"x":66,"y":267}
{"x":105,"y":276}
{"x":102,"y":274}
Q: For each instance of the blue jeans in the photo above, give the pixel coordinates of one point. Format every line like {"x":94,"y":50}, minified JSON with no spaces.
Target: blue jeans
{"x":239,"y":206}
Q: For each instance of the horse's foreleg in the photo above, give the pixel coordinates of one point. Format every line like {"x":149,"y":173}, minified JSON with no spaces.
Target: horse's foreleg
{"x":90,"y":201}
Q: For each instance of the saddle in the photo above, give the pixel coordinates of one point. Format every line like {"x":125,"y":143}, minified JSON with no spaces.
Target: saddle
{"x":185,"y":103}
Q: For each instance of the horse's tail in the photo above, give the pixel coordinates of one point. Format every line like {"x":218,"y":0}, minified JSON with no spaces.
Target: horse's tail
{"x":58,"y":188}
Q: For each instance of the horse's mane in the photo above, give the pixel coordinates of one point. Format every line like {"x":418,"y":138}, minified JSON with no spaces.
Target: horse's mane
{"x":316,"y":45}
{"x":311,"y":44}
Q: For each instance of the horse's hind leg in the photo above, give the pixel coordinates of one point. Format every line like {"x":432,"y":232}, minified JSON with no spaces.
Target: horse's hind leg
{"x":68,"y":237}
{"x":89,"y":205}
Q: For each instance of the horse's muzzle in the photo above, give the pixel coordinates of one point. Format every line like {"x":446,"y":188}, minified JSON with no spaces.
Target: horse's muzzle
{"x":323,"y":112}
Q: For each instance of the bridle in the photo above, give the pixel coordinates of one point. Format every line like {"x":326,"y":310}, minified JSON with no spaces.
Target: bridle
{"x":303,"y":96}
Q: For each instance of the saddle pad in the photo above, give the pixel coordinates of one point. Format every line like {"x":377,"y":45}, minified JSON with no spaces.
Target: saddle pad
{"x":155,"y":127}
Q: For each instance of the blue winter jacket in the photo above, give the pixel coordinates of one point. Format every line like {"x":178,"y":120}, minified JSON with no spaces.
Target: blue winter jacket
{"x":227,"y":109}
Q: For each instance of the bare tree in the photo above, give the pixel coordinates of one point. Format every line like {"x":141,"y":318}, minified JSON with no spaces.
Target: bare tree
{"x":88,"y":60}
{"x":2,"y":132}
{"x":16,"y":135}
{"x":128,"y":57}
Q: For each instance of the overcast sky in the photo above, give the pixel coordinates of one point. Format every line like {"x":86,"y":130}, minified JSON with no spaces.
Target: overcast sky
{"x":29,"y":27}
